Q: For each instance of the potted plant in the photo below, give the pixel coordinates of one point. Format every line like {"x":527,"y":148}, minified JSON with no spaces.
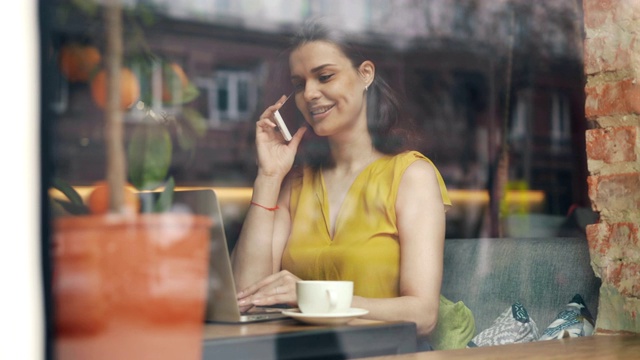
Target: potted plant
{"x":128,"y":285}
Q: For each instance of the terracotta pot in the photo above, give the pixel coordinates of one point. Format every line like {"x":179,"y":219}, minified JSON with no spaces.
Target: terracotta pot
{"x":130,"y":287}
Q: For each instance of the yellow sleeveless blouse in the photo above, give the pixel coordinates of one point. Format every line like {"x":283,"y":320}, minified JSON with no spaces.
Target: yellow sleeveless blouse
{"x":365,"y":247}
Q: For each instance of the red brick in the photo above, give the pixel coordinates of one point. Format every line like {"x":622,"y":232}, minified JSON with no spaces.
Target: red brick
{"x":623,"y":275}
{"x":610,"y":51}
{"x":615,"y":192}
{"x":618,"y":98}
{"x":623,"y":236}
{"x":597,"y":11}
{"x":614,"y":43}
{"x":626,"y":11}
{"x":612,"y":47}
{"x":595,"y":55}
{"x":612,"y":145}
{"x":632,"y":96}
{"x":598,"y":236}
{"x":614,"y":247}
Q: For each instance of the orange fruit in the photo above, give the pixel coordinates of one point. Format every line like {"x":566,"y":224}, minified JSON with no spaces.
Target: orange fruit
{"x":174,"y":79}
{"x":98,"y":201}
{"x":129,"y":88}
{"x":77,"y":61}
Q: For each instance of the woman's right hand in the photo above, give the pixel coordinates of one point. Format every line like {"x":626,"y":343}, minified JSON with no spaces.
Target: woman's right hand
{"x":278,"y":288}
{"x":275,"y":156}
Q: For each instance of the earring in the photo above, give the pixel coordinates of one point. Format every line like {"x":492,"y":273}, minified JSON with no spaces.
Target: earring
{"x":366,"y":87}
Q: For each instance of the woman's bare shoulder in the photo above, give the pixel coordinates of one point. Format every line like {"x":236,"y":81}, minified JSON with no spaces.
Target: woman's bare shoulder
{"x":420,"y":172}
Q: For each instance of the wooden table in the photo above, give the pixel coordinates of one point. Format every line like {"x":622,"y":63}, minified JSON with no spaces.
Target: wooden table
{"x":289,"y":339}
{"x":588,"y":347}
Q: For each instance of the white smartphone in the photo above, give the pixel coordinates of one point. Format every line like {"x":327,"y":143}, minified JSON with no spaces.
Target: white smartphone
{"x":282,"y":126}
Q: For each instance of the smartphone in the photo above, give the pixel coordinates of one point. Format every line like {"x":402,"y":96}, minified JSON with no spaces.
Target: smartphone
{"x":282,"y":126}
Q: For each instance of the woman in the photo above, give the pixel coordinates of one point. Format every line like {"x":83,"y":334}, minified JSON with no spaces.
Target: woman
{"x":360,"y":208}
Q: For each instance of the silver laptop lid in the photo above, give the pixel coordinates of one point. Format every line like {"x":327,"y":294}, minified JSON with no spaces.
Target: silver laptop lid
{"x":222,"y":305}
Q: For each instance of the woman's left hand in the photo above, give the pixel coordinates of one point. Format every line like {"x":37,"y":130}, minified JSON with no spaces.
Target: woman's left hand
{"x":278,"y":288}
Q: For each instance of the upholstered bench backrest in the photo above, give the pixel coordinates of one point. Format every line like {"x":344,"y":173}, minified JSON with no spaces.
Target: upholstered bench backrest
{"x":489,"y":275}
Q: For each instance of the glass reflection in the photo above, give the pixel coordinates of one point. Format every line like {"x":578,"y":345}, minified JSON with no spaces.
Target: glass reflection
{"x":496,"y":86}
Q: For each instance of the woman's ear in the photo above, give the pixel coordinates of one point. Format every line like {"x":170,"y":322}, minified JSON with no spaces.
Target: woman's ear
{"x":367,"y":71}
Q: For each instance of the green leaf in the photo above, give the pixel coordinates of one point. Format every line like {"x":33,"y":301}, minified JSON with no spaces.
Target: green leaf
{"x":166,"y":197}
{"x":196,"y":121}
{"x":147,"y":201}
{"x":67,"y":190}
{"x":147,"y":15}
{"x":73,"y":208}
{"x":186,"y":140}
{"x":149,"y":155}
{"x":142,"y":63}
{"x":89,"y":7}
{"x":189,"y":93}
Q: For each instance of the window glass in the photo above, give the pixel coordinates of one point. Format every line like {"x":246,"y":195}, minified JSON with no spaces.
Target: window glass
{"x":495,"y":87}
{"x":224,"y":88}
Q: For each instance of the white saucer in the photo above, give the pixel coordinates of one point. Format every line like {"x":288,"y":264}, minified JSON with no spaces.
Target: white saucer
{"x":326,"y":319}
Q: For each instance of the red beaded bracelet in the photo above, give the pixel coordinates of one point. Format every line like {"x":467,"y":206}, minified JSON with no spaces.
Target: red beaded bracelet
{"x":264,"y":207}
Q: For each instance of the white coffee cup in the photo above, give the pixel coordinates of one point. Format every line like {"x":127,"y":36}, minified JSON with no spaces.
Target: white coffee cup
{"x":324,"y":297}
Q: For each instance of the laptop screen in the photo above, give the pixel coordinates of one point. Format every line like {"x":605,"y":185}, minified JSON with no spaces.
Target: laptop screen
{"x":222,"y":304}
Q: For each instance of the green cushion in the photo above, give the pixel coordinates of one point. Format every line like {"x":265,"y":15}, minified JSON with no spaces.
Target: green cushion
{"x":456,"y":326}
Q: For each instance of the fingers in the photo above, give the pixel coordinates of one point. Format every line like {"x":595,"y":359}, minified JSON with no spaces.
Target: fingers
{"x":266,"y":120}
{"x":267,"y":117}
{"x":269,"y":111}
{"x":245,"y":308}
{"x":252,"y":289}
{"x":276,"y":295}
{"x":279,"y":288}
{"x":297,"y":137}
{"x":281,"y":101}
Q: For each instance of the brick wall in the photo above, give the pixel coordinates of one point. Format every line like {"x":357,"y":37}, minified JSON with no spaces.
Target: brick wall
{"x":612,"y":67}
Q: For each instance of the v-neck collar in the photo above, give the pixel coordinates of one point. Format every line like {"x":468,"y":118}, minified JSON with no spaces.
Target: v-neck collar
{"x":323,"y":198}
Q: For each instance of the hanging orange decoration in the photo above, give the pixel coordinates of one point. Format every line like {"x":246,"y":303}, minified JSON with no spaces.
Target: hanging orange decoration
{"x":129,"y":88}
{"x":174,"y":82}
{"x":78,"y":61}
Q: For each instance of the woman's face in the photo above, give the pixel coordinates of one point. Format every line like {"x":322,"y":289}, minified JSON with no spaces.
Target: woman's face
{"x":329,"y":91}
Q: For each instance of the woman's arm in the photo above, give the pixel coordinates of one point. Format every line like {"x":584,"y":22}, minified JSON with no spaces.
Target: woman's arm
{"x":253,"y":257}
{"x":276,"y":287}
{"x":421,"y":226}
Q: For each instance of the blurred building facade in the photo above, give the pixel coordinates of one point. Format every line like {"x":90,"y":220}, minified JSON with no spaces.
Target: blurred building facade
{"x":478,"y":77}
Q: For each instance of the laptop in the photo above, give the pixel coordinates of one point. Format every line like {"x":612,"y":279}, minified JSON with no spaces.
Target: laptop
{"x":222,"y":305}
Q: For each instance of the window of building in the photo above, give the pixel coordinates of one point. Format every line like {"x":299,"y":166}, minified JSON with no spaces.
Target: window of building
{"x":227,"y":96}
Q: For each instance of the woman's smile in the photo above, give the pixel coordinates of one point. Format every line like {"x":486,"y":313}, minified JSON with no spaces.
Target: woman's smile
{"x":320,"y":112}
